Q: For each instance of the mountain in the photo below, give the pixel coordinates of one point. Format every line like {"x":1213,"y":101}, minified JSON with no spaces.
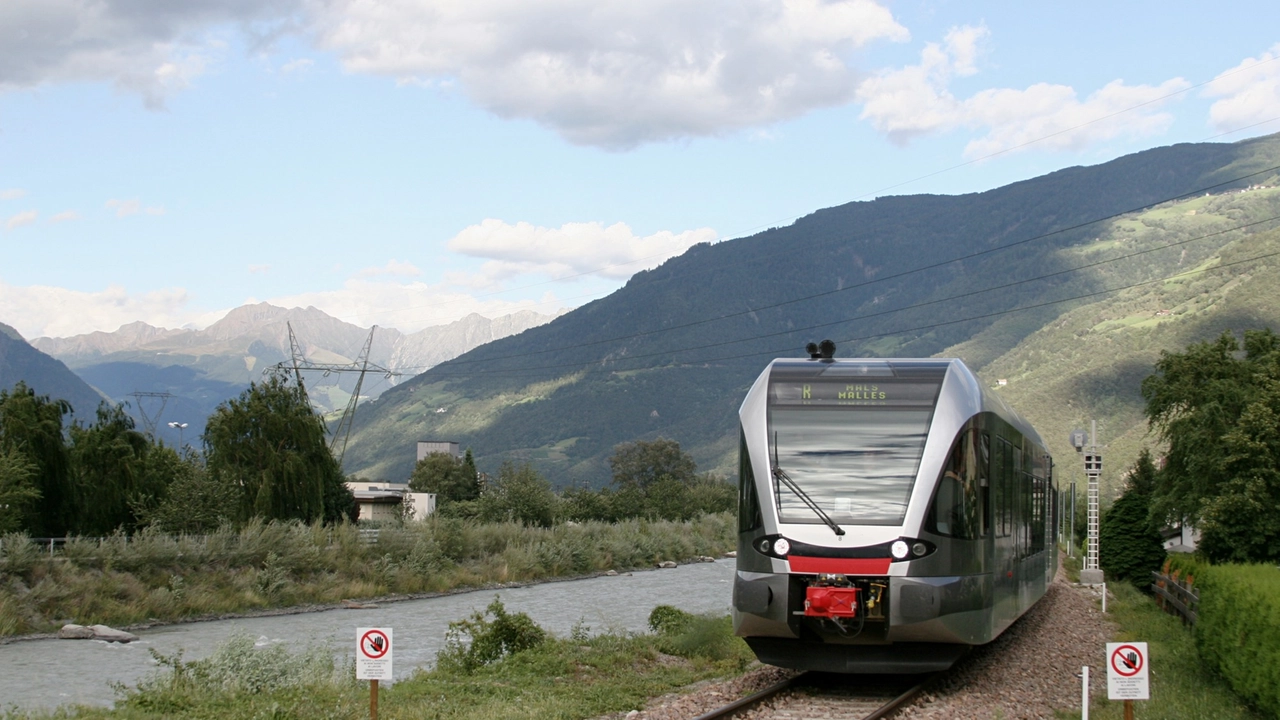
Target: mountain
{"x":19,"y":361}
{"x":672,"y":353}
{"x":199,"y":369}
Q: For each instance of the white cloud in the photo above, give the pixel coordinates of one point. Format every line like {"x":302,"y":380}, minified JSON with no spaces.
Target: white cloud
{"x":609,"y":73}
{"x":125,"y":208}
{"x":41,"y":310}
{"x":393,"y":267}
{"x":12,"y":193}
{"x":297,"y":65}
{"x":151,"y":47}
{"x":65,"y":216}
{"x":26,"y":217}
{"x":1250,"y":92}
{"x":617,"y":74}
{"x":916,"y":100}
{"x":259,"y":269}
{"x":573,"y":249}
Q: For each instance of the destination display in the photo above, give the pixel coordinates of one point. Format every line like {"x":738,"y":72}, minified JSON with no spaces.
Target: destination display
{"x":840,"y":392}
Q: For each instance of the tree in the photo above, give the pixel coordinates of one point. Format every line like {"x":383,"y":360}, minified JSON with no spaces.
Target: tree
{"x":1129,"y":543}
{"x":450,"y":478}
{"x":18,"y":491}
{"x":195,"y":502}
{"x":270,"y":444}
{"x":642,"y":463}
{"x":31,"y":427}
{"x":519,"y":495}
{"x":1218,"y":412}
{"x":111,"y":476}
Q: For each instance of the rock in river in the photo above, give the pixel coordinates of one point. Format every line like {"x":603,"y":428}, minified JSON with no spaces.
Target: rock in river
{"x":102,"y":632}
{"x":71,"y":631}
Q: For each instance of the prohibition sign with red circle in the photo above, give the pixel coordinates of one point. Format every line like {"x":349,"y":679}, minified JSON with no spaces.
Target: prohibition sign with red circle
{"x":374,"y":644}
{"x":1126,"y":660}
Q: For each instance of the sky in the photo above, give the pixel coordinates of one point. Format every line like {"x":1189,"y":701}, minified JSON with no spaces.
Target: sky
{"x":407,"y":162}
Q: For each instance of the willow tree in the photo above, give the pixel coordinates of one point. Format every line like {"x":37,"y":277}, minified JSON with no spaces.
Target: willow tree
{"x":111,"y":475}
{"x":31,"y":434}
{"x":269,"y":444}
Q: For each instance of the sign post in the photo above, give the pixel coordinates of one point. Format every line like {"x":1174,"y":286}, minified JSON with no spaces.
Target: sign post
{"x":373,"y":661}
{"x":1127,"y":674}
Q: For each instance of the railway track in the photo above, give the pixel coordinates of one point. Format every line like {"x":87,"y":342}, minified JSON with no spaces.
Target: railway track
{"x":813,"y":696}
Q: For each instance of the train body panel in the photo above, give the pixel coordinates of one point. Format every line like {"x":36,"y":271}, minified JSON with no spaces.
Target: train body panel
{"x":892,"y":514}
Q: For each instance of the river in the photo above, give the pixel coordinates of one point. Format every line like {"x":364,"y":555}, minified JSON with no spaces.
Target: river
{"x":42,"y":674}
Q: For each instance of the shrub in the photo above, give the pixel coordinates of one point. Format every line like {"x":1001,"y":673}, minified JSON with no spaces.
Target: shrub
{"x":478,"y":641}
{"x":1238,"y":629}
{"x":668,"y":620}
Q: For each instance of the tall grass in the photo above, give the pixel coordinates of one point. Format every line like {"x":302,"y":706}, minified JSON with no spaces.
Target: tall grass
{"x":580,"y":676}
{"x":153,"y":576}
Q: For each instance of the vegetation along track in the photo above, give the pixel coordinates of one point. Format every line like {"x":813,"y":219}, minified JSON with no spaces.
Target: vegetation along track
{"x":814,"y":695}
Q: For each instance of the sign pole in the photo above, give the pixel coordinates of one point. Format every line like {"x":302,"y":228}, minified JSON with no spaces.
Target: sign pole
{"x":373,"y":661}
{"x":1128,"y":710}
{"x":1084,"y":693}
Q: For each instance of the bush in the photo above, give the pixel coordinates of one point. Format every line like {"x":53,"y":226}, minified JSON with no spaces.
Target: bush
{"x":668,"y":620}
{"x":478,"y":641}
{"x":1238,"y":629}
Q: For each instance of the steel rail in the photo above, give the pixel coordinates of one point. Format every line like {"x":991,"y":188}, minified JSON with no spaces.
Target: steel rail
{"x":756,"y":698}
{"x":748,"y":701}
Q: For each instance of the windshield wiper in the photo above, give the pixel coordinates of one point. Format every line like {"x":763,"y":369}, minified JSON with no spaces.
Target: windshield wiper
{"x":781,"y":476}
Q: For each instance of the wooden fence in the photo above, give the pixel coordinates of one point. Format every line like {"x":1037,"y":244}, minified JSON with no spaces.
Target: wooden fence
{"x":1176,"y":595}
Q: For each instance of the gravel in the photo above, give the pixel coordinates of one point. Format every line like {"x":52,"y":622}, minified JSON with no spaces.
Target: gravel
{"x":1028,"y":672}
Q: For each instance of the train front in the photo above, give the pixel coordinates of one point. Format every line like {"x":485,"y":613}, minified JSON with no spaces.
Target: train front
{"x":835,"y":571}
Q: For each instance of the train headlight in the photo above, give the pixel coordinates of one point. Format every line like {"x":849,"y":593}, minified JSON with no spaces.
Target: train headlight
{"x":781,"y":546}
{"x":919,"y":549}
{"x":764,"y":546}
{"x":899,"y":549}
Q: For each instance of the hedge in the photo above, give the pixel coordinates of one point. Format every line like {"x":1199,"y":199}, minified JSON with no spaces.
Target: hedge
{"x":1238,"y":628}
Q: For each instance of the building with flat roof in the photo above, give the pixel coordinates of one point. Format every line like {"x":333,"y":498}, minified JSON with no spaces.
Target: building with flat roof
{"x":384,"y":501}
{"x":426,"y":447}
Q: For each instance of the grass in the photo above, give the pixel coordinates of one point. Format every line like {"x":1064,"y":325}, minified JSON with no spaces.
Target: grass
{"x":150,"y":577}
{"x":1181,"y":687}
{"x":562,"y":678}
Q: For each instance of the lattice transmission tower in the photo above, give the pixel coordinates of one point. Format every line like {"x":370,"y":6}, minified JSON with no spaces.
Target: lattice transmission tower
{"x":298,"y":363}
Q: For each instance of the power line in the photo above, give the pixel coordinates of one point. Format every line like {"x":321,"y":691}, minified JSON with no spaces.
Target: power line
{"x":894,"y":276}
{"x":523,"y":371}
{"x":793,"y":218}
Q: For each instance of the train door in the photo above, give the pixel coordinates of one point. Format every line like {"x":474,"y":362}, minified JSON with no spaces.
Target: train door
{"x":1003,"y":582}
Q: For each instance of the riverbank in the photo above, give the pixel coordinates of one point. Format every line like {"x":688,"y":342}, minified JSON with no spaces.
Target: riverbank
{"x":289,"y":568}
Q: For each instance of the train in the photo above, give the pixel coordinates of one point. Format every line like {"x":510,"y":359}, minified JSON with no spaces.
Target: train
{"x":893,"y":514}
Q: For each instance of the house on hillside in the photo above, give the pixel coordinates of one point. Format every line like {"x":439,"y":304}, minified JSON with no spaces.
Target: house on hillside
{"x":380,"y":501}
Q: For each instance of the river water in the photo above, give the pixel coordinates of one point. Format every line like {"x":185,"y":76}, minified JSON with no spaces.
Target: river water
{"x":46,"y":673}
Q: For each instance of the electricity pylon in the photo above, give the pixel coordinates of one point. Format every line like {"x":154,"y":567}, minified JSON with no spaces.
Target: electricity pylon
{"x":296,"y":364}
{"x":148,"y":422}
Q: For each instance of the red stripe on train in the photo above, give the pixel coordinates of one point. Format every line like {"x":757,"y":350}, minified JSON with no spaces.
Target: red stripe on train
{"x":840,"y":566}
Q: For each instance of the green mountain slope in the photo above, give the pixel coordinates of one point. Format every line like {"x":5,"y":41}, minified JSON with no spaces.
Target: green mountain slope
{"x":1089,"y":363}
{"x":47,"y":376}
{"x":672,"y":353}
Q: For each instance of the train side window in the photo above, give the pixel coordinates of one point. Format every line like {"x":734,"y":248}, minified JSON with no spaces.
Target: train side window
{"x":749,"y":515}
{"x":1010,"y":483}
{"x":984,"y":483}
{"x":956,"y":510}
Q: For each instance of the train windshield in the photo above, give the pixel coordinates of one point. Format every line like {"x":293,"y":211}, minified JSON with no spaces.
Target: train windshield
{"x":851,"y":437}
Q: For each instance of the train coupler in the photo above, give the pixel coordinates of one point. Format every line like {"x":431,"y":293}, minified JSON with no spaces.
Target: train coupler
{"x":830,"y":602}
